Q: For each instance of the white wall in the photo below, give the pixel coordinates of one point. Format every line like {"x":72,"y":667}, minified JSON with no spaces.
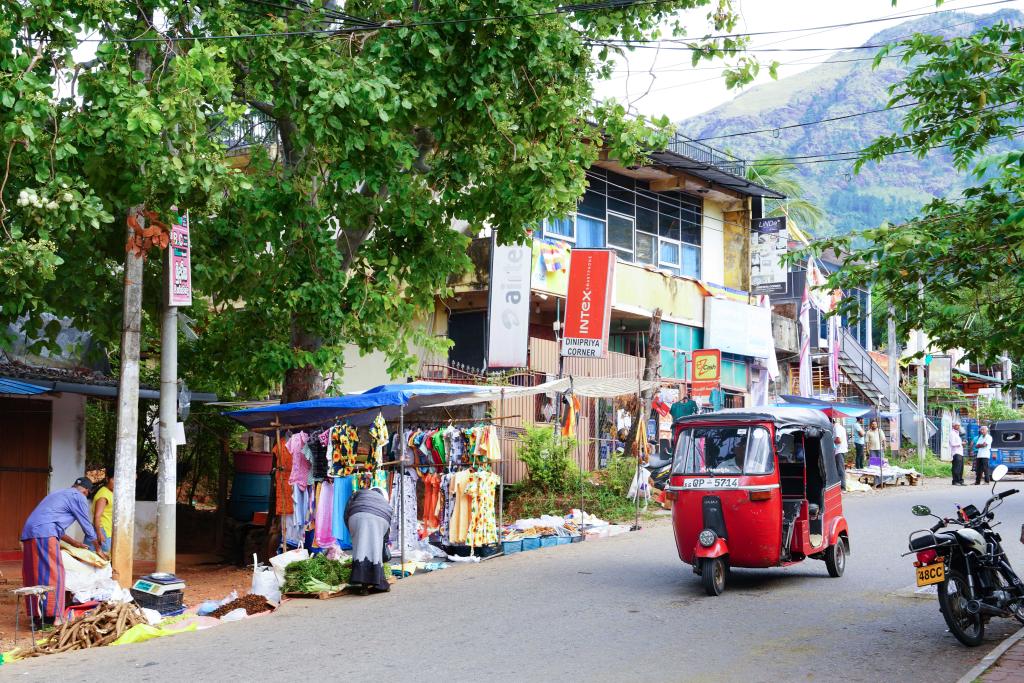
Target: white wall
{"x":67,"y":440}
{"x":712,"y":266}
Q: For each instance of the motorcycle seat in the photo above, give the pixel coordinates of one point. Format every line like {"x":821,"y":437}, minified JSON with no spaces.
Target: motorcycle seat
{"x":928,"y":540}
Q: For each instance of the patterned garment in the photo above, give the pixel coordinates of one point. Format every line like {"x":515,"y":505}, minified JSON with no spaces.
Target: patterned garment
{"x":411,"y":535}
{"x":447,"y":507}
{"x":341,"y":451}
{"x":300,"y":461}
{"x":41,"y":566}
{"x":483,"y":527}
{"x":283,"y":498}
{"x":379,"y":438}
{"x":318,"y":460}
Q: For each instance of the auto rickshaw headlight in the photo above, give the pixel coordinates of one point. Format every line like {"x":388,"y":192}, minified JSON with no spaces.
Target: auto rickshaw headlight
{"x":707,"y":538}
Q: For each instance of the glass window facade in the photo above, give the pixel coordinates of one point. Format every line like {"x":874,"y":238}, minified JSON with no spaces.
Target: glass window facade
{"x":660,"y":229}
{"x":678,"y":342}
{"x":734,"y":371}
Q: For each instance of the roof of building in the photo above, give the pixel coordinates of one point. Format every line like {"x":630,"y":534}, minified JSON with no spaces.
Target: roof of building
{"x":69,"y":380}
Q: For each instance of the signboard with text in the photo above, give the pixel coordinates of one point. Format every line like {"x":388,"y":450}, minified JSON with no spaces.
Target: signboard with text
{"x":179,"y":260}
{"x":707,"y":371}
{"x":940,"y":372}
{"x":508,"y":312}
{"x":588,"y":303}
{"x":769,"y":239}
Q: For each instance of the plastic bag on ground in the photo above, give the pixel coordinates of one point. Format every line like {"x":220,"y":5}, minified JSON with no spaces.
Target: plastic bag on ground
{"x":235,"y":615}
{"x":264,"y":582}
{"x":279,"y":562}
{"x":211,"y":605}
{"x":143,"y":632}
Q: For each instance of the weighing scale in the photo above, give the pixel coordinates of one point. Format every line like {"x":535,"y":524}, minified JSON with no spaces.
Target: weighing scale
{"x":161,"y":591}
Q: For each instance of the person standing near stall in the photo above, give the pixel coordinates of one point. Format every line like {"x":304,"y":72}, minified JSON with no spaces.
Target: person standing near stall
{"x":858,"y":442}
{"x":873,"y":439}
{"x":103,"y":510}
{"x":956,"y":447}
{"x":982,"y":452}
{"x":44,"y":529}
{"x":842,"y":448}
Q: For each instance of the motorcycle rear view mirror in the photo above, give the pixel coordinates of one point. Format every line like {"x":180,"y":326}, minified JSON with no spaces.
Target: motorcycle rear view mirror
{"x":921,"y":511}
{"x":999,"y":472}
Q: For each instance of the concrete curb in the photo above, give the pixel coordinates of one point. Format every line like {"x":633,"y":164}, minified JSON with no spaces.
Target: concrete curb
{"x":992,"y":657}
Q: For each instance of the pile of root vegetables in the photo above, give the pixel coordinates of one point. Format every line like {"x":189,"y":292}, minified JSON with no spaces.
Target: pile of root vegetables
{"x":102,"y":626}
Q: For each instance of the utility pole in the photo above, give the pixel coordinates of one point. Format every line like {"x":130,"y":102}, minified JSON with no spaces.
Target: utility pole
{"x":167,"y":472}
{"x":123,"y":542}
{"x":922,"y":428}
{"x":894,"y":382}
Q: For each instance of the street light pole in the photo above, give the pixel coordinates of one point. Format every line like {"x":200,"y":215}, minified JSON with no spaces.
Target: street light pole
{"x":167,"y":472}
{"x":922,"y":430}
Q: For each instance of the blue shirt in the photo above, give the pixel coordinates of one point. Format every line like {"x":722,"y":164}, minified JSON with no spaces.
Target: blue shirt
{"x":56,"y":513}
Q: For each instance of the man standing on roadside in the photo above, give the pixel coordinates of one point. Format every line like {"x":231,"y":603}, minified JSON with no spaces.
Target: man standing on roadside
{"x":956,"y":447}
{"x":873,"y":440}
{"x":982,"y":452}
{"x":842,"y":448}
{"x":858,"y":442}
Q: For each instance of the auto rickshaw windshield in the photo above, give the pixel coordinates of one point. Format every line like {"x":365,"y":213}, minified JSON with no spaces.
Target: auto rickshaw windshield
{"x":723,"y":450}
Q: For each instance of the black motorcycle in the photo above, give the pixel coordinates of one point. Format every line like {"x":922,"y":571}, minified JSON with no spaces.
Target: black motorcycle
{"x":974,"y":577}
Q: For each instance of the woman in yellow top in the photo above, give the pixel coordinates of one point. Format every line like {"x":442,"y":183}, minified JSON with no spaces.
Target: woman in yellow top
{"x":103,"y":510}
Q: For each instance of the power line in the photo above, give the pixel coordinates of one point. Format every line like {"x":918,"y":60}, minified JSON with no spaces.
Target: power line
{"x":806,"y":123}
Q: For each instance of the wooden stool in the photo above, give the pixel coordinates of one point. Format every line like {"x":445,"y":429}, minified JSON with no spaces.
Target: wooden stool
{"x":29,"y":592}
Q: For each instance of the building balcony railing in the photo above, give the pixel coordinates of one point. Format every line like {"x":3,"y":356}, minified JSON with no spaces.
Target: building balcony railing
{"x":723,"y":161}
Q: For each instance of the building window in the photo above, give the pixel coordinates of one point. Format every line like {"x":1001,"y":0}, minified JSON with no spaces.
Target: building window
{"x":678,"y":342}
{"x":662,"y":229}
{"x":734,"y":371}
{"x":560,"y":228}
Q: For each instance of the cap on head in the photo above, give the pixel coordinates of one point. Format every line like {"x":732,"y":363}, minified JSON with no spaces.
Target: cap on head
{"x":83,"y":482}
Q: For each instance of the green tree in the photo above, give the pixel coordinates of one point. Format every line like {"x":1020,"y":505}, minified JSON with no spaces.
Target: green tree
{"x":965,"y":251}
{"x":385,"y":127}
{"x":780,"y":175}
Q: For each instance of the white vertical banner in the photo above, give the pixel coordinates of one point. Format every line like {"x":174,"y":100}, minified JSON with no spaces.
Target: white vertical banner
{"x":508,"y":310}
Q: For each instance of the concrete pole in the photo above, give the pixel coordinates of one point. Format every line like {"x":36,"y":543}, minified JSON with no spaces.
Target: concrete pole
{"x":123,"y":542}
{"x":1008,"y":392}
{"x":167,"y":471}
{"x":894,"y":382}
{"x":922,"y":430}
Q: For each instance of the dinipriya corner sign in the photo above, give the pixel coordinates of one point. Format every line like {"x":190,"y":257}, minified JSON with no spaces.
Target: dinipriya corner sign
{"x":588,"y":303}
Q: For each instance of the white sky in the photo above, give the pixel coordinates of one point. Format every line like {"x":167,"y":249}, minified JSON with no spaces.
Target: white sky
{"x":680,"y":91}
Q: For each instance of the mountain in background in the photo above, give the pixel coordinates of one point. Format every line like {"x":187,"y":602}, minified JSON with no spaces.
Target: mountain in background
{"x":893,"y":190}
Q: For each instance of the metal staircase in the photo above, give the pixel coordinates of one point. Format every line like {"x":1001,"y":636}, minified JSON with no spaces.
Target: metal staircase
{"x":868,"y":376}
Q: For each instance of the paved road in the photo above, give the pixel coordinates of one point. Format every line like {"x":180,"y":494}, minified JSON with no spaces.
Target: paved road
{"x":619,"y":609}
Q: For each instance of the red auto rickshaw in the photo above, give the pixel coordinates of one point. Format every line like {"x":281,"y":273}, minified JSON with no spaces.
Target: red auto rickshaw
{"x":756,"y":487}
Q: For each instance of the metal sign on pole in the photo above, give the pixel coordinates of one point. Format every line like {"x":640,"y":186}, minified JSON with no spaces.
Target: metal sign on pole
{"x":508,"y":310}
{"x":588,"y":303}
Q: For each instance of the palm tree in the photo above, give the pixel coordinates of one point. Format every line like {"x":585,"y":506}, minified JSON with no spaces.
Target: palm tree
{"x":781,"y":177}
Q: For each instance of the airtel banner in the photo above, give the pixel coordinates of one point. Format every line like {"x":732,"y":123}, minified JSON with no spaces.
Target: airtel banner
{"x":588,"y":303}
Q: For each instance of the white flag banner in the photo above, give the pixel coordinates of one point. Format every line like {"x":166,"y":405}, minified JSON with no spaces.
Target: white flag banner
{"x":806,"y":381}
{"x":817,"y":287}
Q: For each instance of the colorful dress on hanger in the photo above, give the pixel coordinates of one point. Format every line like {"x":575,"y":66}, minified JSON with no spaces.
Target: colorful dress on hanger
{"x":283,"y":493}
{"x":344,"y":487}
{"x":408,"y":494}
{"x":344,"y":440}
{"x":483,"y":527}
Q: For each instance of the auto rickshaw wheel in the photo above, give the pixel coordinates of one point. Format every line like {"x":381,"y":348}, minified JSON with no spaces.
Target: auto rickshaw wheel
{"x":712,"y":574}
{"x":835,"y":558}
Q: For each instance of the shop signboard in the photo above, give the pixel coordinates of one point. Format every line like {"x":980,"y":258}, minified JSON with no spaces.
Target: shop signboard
{"x":769,"y":240}
{"x":179,"y":261}
{"x":707,"y":371}
{"x":940,"y":372}
{"x":739,"y":328}
{"x":588,"y":303}
{"x":508,"y":312}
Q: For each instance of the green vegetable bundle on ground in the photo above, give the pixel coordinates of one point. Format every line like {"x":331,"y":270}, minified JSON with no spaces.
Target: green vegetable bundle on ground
{"x":316,"y":574}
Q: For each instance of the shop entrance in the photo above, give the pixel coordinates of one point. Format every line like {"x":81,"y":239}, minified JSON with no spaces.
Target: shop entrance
{"x":24,"y":464}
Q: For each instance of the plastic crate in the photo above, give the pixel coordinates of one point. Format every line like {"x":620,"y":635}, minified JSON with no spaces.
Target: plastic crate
{"x":511,"y":547}
{"x":487,"y":550}
{"x":563,"y":540}
{"x":575,"y":539}
{"x":531,"y":543}
{"x":548,"y":541}
{"x":164,"y":604}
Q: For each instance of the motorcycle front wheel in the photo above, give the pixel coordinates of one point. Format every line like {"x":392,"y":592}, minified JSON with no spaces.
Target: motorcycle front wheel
{"x":968,"y":628}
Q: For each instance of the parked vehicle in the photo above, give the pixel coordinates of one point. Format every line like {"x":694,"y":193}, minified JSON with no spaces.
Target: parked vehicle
{"x":756,"y":488}
{"x":974,"y":576}
{"x":1008,"y":445}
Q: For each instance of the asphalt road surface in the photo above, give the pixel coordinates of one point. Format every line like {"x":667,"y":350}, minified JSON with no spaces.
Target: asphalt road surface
{"x":618,"y":609}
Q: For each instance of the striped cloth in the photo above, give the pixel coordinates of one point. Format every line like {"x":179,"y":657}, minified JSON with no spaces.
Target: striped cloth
{"x":41,"y":566}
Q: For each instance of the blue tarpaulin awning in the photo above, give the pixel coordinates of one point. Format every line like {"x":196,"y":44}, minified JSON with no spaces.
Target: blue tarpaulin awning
{"x":831,"y":408}
{"x":386,"y":399}
{"x":13,"y":386}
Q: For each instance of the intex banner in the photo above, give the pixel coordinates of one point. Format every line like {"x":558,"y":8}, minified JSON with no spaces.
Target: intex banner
{"x":588,"y":303}
{"x":179,"y":260}
{"x":508,"y":323}
{"x":769,"y":241}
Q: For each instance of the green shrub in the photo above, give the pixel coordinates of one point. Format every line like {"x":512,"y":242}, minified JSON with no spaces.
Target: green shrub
{"x":550,"y":467}
{"x":619,"y":474}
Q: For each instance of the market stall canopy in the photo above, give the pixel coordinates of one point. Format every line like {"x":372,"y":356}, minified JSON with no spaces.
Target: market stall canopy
{"x":589,"y":387}
{"x":386,"y":399}
{"x":830,"y":408}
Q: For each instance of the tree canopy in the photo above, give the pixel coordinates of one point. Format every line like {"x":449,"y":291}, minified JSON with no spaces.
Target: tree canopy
{"x":380,"y":125}
{"x":964,"y":251}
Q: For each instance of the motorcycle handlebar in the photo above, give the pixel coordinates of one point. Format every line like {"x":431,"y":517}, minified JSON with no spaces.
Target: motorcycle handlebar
{"x":1004,"y":494}
{"x":938,"y":526}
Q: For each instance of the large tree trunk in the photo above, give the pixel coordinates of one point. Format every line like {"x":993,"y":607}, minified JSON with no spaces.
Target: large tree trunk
{"x":652,"y":368}
{"x":301,"y":384}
